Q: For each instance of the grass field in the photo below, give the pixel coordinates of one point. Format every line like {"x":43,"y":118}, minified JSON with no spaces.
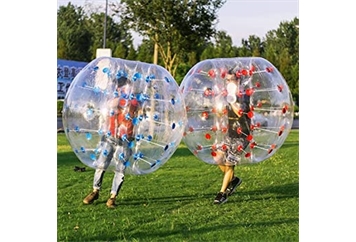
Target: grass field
{"x":175,"y":203}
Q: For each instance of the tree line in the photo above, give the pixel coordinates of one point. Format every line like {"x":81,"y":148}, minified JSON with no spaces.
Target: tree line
{"x":176,"y":34}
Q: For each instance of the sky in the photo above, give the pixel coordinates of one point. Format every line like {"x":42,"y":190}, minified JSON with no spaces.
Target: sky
{"x":239,"y":18}
{"x":242,"y":18}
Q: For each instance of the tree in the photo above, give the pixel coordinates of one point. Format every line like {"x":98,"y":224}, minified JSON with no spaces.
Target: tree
{"x":253,"y":46}
{"x":175,"y":27}
{"x":145,"y":51}
{"x":223,"y":46}
{"x":132,"y":55}
{"x":73,"y":36}
{"x":209,"y":52}
{"x":118,"y":36}
{"x":282,"y":50}
{"x":80,"y":33}
{"x":244,"y":50}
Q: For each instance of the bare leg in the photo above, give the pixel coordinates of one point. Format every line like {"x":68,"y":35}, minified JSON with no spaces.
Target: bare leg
{"x":228,"y":171}
{"x":222,"y":168}
{"x":228,"y":175}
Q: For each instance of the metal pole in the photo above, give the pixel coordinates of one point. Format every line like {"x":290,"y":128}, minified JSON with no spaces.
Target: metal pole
{"x":106,"y":13}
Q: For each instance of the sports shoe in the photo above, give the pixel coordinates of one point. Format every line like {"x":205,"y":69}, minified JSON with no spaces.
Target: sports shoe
{"x":111,"y":203}
{"x":235,"y":182}
{"x":94,"y":195}
{"x":220,"y":198}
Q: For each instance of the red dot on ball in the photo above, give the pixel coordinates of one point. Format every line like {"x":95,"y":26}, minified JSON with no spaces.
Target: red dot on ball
{"x":122,"y":102}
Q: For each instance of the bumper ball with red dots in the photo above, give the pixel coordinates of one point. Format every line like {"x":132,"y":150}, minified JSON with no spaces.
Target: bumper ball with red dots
{"x":157,"y":124}
{"x":241,"y":107}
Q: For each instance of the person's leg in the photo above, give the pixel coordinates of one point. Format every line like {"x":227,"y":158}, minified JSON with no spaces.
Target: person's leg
{"x":234,"y":158}
{"x":235,"y":182}
{"x":120,"y":156}
{"x":221,"y":197}
{"x":222,"y":168}
{"x":117,"y":183}
{"x":101,"y":165}
{"x":228,"y":175}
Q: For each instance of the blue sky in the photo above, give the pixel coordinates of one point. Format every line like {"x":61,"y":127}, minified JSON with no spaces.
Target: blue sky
{"x":239,"y":18}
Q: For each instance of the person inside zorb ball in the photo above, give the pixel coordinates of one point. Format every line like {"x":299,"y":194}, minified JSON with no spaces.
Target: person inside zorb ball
{"x":123,"y":116}
{"x":239,"y":111}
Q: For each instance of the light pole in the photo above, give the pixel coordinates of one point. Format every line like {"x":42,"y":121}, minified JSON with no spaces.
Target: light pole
{"x":104,"y":51}
{"x":106,"y":13}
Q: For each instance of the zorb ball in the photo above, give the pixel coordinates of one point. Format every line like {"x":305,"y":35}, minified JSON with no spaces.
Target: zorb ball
{"x":241,"y":105}
{"x":156,"y":127}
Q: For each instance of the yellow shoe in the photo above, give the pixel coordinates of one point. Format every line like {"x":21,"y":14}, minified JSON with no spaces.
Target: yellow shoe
{"x":111,"y":202}
{"x":91,"y":197}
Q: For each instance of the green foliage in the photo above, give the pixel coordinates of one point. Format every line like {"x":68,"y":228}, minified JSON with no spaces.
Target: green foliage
{"x":118,"y":37}
{"x":177,"y":27}
{"x":282,"y":50}
{"x":145,"y":51}
{"x":296,"y":112}
{"x":185,"y":33}
{"x":208,"y":53}
{"x":132,"y":53}
{"x":59,"y":108}
{"x":252,"y":47}
{"x":73,"y":36}
{"x":223,"y":47}
{"x":182,"y":70}
{"x":80,"y":34}
{"x":175,"y":203}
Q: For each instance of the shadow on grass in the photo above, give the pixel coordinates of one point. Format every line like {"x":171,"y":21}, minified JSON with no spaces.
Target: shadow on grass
{"x":290,"y":190}
{"x":273,"y":192}
{"x":67,"y":158}
{"x":285,"y":190}
{"x":183,"y":151}
{"x":290,"y":144}
{"x":187,"y":231}
{"x":183,"y":228}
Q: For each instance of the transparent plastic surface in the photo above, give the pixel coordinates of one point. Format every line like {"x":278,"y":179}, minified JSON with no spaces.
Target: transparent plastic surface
{"x":257,"y":91}
{"x":157,"y":124}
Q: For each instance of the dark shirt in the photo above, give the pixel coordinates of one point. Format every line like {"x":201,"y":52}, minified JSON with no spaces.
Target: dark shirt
{"x":239,"y":127}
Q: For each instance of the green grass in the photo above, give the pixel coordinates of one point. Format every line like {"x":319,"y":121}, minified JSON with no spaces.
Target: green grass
{"x":175,"y":203}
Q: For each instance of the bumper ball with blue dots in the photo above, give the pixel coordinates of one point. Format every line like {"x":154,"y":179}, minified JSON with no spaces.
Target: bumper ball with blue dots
{"x":260,"y":96}
{"x":157,"y":125}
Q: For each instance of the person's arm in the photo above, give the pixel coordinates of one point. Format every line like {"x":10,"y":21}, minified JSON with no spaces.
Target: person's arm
{"x":236,"y":107}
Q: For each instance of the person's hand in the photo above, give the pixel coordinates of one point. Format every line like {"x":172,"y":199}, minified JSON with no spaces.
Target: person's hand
{"x":113,"y":103}
{"x":236,"y":107}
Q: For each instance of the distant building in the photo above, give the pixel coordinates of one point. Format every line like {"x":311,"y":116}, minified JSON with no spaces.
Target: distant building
{"x":66,"y":71}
